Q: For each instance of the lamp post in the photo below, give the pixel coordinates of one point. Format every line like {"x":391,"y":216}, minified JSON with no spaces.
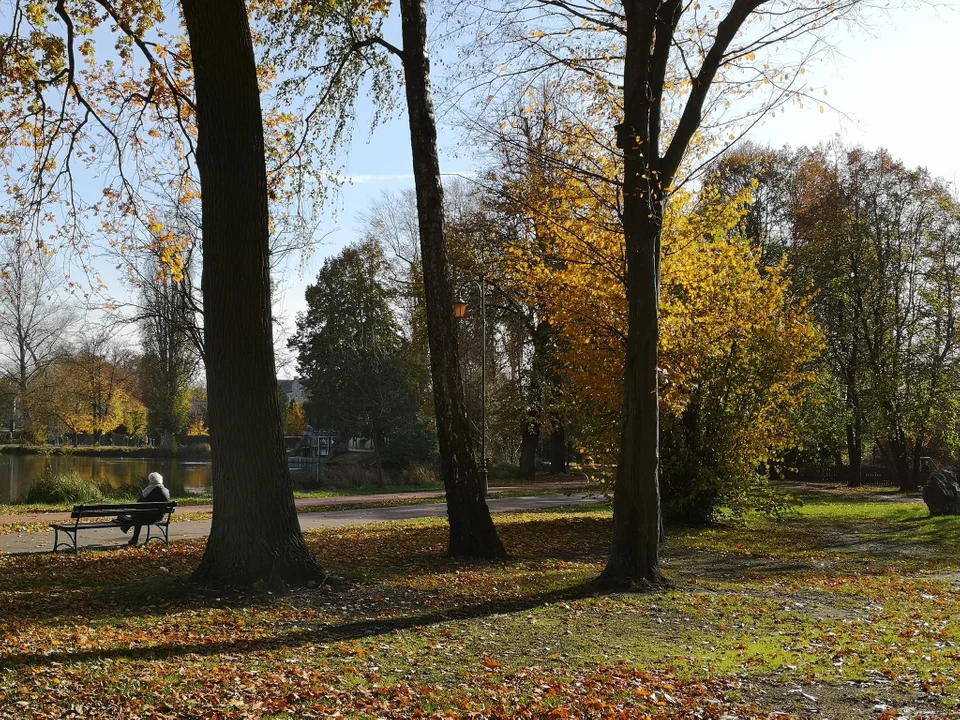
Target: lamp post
{"x":460,"y":311}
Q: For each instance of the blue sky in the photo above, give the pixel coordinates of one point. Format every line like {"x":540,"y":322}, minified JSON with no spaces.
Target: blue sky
{"x":890,"y":84}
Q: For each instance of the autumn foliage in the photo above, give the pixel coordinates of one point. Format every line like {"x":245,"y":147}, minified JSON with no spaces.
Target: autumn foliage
{"x":735,"y":344}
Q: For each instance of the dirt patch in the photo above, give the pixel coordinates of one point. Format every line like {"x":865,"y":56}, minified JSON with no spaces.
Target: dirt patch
{"x":688,"y":563}
{"x":849,"y":701}
{"x":865,"y":492}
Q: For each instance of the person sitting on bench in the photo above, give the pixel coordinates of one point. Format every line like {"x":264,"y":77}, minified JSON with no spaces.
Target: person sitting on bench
{"x":153,"y":492}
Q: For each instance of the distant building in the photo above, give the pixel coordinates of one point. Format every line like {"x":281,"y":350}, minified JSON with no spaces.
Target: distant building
{"x":294,"y":390}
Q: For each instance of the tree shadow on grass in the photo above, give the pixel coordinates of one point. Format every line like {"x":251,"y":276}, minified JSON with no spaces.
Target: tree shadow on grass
{"x":344,"y":632}
{"x":89,"y":587}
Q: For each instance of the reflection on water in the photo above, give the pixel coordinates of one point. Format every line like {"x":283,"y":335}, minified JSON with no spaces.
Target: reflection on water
{"x":18,"y":472}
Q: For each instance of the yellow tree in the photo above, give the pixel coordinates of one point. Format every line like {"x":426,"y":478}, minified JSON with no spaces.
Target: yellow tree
{"x":682,"y":72}
{"x":734,"y":343}
{"x":95,"y":390}
{"x":296,"y":420}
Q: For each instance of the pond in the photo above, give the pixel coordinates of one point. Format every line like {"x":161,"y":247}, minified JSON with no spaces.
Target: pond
{"x":18,"y":472}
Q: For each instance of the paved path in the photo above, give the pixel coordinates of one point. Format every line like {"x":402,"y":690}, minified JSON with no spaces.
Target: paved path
{"x":43,"y":541}
{"x":63,"y":517}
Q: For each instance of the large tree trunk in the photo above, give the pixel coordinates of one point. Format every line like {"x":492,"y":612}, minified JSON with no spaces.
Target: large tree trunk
{"x":255,"y":532}
{"x":472,"y":532}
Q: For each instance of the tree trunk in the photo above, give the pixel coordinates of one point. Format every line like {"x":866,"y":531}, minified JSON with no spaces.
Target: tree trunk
{"x":895,"y":451}
{"x":855,"y":454}
{"x":255,"y":532}
{"x":558,"y":448}
{"x":901,"y":462}
{"x":915,"y":466}
{"x":634,"y":555}
{"x":376,"y":456}
{"x":528,"y":449}
{"x":540,"y":371}
{"x":472,"y":532}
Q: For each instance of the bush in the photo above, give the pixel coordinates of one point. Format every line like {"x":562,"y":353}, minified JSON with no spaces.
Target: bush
{"x":63,"y":487}
{"x":419,"y":476}
{"x":197,"y":451}
{"x":502,"y":472}
{"x":348,"y":475}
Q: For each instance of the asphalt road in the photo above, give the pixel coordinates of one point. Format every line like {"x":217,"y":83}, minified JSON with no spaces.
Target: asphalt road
{"x":43,"y":541}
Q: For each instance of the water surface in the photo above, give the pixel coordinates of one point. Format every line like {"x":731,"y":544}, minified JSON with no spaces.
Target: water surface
{"x":18,"y":472}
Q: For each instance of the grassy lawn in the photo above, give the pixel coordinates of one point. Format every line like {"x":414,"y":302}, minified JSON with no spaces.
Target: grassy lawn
{"x":846,"y":609}
{"x":207,"y":498}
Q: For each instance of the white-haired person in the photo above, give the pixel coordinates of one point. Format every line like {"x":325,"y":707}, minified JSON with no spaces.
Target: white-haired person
{"x":153,"y":492}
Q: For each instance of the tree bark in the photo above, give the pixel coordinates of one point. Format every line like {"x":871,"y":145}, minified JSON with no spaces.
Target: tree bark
{"x":558,"y":447}
{"x":528,"y":449}
{"x":855,"y":455}
{"x":472,"y":532}
{"x":634,"y":553}
{"x":255,"y":532}
{"x":901,"y":455}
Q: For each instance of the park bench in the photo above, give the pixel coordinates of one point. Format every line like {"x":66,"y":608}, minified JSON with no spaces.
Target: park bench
{"x":136,"y":511}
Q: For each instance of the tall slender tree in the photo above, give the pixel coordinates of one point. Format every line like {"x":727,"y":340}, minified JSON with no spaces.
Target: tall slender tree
{"x":347,"y":40}
{"x":170,"y":358}
{"x":652,"y":155}
{"x":472,"y":532}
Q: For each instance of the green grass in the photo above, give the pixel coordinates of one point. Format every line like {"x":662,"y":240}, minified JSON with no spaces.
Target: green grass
{"x":136,"y":451}
{"x":207,"y":498}
{"x":63,"y":487}
{"x":852,"y":600}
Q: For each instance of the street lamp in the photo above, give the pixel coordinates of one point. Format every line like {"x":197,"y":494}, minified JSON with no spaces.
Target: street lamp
{"x":460,"y":311}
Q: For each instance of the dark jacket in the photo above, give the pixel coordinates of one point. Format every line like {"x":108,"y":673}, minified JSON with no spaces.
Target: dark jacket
{"x":158,"y":494}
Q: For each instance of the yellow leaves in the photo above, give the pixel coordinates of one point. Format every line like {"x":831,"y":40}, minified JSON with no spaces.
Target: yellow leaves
{"x":38,"y":13}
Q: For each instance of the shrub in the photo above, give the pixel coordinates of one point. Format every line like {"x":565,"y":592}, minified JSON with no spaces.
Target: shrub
{"x":197,"y":451}
{"x":347,"y":475}
{"x":63,"y":487}
{"x":419,"y":475}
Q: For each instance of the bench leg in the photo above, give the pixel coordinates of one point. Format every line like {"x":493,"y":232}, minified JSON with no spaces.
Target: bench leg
{"x":69,"y":546}
{"x":165,"y":539}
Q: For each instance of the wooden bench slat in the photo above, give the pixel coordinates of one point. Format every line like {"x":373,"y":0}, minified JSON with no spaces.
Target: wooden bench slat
{"x":84,"y":511}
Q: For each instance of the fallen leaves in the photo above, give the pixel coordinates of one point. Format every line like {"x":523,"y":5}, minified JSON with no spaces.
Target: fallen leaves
{"x":121,"y":634}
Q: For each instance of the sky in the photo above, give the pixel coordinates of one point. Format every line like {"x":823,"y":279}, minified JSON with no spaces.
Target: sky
{"x":889,"y":86}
